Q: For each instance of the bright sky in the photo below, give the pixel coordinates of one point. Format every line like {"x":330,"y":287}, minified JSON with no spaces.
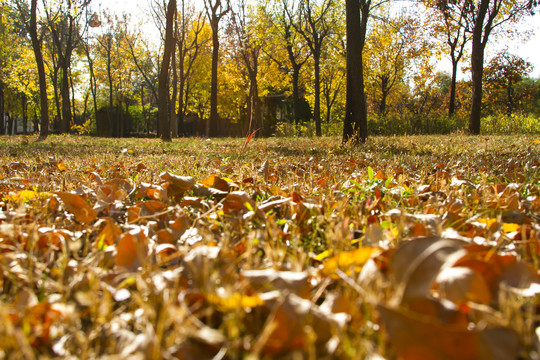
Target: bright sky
{"x":529,"y":50}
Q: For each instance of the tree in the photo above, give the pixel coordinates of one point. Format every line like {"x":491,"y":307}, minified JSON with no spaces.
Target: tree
{"x":65,"y":29}
{"x":452,"y":27}
{"x":314,"y":27}
{"x":283,"y":37}
{"x":355,"y":121}
{"x":248,"y":48}
{"x":190,"y":38}
{"x":502,"y":76}
{"x":215,"y":10}
{"x":486,"y":16}
{"x":38,"y":55}
{"x":163,"y":94}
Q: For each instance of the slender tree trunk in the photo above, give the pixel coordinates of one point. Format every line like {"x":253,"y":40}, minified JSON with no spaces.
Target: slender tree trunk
{"x":163,"y":93}
{"x":24,"y":103}
{"x":2,"y":109}
{"x":173,"y":115}
{"x":36,"y":45}
{"x":73,"y":107}
{"x":296,"y":99}
{"x":452,"y":102}
{"x":56,"y":98}
{"x":256,"y":100}
{"x":66,"y":102}
{"x":510,"y":98}
{"x":10,"y":124}
{"x":212,"y":126}
{"x":355,"y":122}
{"x":182,"y":84}
{"x":477,"y":68}
{"x":317,"y":107}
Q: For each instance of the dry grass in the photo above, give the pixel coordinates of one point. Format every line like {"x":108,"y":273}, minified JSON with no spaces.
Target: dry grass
{"x":293,"y":248}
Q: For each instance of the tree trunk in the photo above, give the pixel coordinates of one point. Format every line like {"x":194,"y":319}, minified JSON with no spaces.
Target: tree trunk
{"x":2,"y":108}
{"x":66,"y":102}
{"x":173,"y":115}
{"x":36,"y":45}
{"x":317,"y":107}
{"x":452,"y":102}
{"x":24,"y":103}
{"x":182,"y":84}
{"x":384,"y":95}
{"x":477,"y":68}
{"x":9,"y":124}
{"x":509,"y":98}
{"x":296,"y":99}
{"x":212,"y":126}
{"x":58,"y":107}
{"x":355,"y":122}
{"x":163,"y":94}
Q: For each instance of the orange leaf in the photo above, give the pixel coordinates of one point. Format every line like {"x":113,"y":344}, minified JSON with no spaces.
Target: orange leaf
{"x":77,"y":206}
{"x":216,"y":182}
{"x":126,"y":251}
{"x":108,"y":234}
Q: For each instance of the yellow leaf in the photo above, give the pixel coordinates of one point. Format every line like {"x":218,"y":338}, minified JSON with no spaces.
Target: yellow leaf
{"x":27,"y":195}
{"x":509,"y":227}
{"x":488,"y":222}
{"x":61,"y":167}
{"x":324,"y":255}
{"x":235,"y":301}
{"x":348,"y":261}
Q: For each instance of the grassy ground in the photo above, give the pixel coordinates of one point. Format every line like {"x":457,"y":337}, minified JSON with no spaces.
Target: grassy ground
{"x":290,"y":248}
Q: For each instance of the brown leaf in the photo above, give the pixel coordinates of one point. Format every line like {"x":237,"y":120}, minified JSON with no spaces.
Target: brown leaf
{"x":291,"y":317}
{"x":78,"y":207}
{"x":461,"y":284}
{"x":184,"y":182}
{"x":416,"y":263}
{"x":415,"y":336}
{"x":270,"y":279}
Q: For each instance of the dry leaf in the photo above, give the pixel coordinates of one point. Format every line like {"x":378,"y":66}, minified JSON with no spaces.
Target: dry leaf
{"x":78,"y":207}
{"x":415,"y":336}
{"x":184,"y":182}
{"x":270,"y":279}
{"x":416,"y":263}
{"x":461,"y":284}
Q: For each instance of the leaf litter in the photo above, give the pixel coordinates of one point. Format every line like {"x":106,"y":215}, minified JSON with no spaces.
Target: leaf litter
{"x":410,"y":247}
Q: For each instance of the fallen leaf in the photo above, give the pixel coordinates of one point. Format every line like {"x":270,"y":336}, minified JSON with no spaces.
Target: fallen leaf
{"x":78,"y":207}
{"x":415,"y":336}
{"x":416,"y":263}
{"x":461,"y":284}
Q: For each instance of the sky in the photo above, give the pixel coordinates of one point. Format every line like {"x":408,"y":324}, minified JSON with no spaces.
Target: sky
{"x":529,"y":50}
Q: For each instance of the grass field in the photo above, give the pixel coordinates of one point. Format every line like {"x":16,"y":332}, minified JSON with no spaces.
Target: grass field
{"x":418,"y":247}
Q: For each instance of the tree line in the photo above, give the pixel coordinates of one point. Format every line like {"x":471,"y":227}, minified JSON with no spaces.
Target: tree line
{"x":233,"y":67}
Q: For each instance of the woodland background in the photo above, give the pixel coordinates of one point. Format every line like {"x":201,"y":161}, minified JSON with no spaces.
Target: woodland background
{"x":274,"y":66}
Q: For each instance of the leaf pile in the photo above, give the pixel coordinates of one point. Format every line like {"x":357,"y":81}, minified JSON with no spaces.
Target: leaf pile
{"x":413,"y":247}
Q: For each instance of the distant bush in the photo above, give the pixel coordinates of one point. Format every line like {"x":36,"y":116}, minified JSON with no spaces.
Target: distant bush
{"x":511,"y":124}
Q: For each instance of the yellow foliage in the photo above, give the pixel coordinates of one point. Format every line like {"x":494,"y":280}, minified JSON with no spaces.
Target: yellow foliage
{"x":235,"y":301}
{"x":27,"y":195}
{"x":348,"y":261}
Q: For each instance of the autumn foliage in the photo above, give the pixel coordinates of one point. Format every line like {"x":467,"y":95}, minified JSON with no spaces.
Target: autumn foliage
{"x":408,"y":248}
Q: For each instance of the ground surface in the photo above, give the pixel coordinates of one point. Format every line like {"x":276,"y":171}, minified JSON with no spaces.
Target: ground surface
{"x":285,"y":248}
